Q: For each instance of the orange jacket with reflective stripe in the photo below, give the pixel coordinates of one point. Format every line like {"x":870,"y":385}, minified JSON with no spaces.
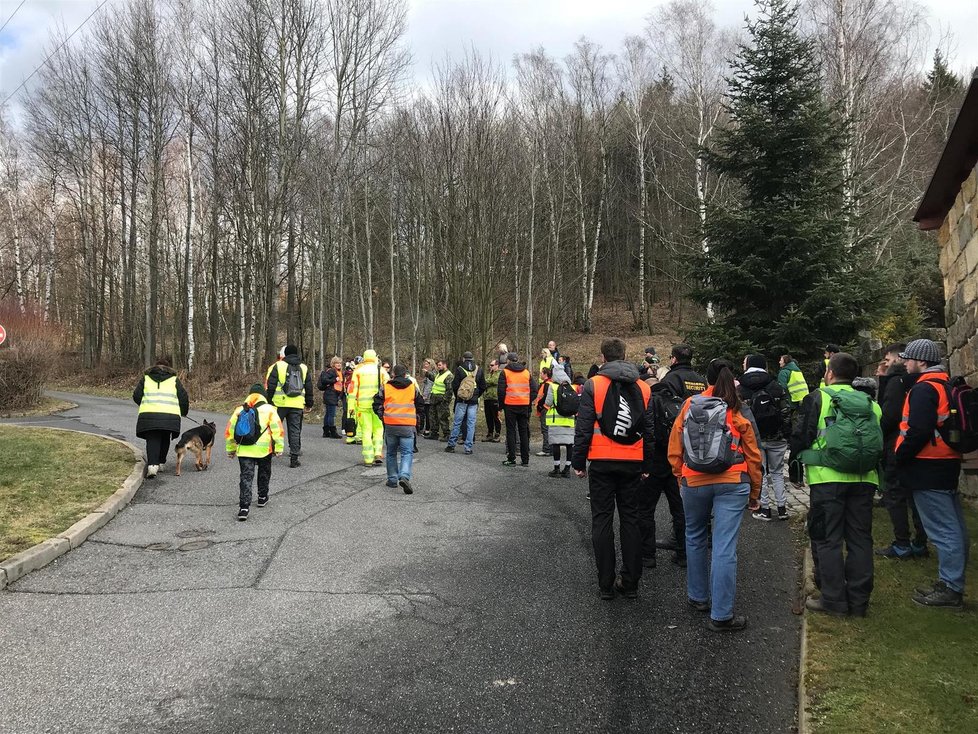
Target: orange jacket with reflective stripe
{"x":518,"y":388}
{"x":399,"y":407}
{"x":936,"y":449}
{"x":603,"y":448}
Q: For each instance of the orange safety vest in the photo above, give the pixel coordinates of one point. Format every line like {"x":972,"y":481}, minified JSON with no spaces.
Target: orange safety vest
{"x":937,"y":448}
{"x":602,"y":447}
{"x":399,"y":406}
{"x":740,"y":466}
{"x":518,"y":388}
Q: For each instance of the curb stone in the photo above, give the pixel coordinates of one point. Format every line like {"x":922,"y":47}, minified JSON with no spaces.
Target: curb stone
{"x":40,"y":555}
{"x":804,"y":725}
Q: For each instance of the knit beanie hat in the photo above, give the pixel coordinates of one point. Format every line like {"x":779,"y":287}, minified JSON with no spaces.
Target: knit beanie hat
{"x":257,"y":389}
{"x":400,"y":370}
{"x":756,"y":360}
{"x":290,"y":350}
{"x":467,"y":355}
{"x":922,"y":350}
{"x":512,"y":357}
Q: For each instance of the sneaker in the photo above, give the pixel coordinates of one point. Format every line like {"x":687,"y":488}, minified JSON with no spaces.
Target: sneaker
{"x":449,"y":449}
{"x":588,"y":496}
{"x":648,"y":561}
{"x":262,"y":501}
{"x":669,"y":544}
{"x":487,"y":439}
{"x":899,"y":552}
{"x":391,"y":484}
{"x":699,"y":606}
{"x":814,"y":604}
{"x":627,"y":592}
{"x":607,"y":594}
{"x":565,"y":472}
{"x":542,"y":453}
{"x":554,"y":474}
{"x":940,"y":596}
{"x":919,"y":551}
{"x":524,"y":463}
{"x":378,"y":460}
{"x":734,"y":624}
{"x":509,"y":462}
{"x":406,"y":486}
{"x":242,"y":514}
{"x":679,"y":559}
{"x":925,"y":590}
{"x":762,"y":514}
{"x":151,"y":470}
{"x":468,"y":452}
{"x":782,"y":513}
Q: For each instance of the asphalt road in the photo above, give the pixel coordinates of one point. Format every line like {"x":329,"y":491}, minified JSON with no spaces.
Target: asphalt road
{"x":343,"y":605}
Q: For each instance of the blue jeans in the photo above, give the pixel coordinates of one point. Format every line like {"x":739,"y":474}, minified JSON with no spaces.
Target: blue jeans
{"x":399,"y":453}
{"x":715,"y":582}
{"x":329,"y":417}
{"x":943,"y":519}
{"x":469,"y":412}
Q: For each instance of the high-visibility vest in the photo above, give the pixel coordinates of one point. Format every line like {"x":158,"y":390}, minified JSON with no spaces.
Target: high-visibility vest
{"x":439,"y":387}
{"x":517,"y":387}
{"x":280,"y":399}
{"x":548,"y":362}
{"x":602,"y":447}
{"x":160,"y":397}
{"x":936,"y":448}
{"x":271,"y":436}
{"x":366,"y":383}
{"x":736,"y":436}
{"x":822,"y":383}
{"x":824,"y":474}
{"x":399,"y":405}
{"x":553,"y":417}
{"x":797,"y":386}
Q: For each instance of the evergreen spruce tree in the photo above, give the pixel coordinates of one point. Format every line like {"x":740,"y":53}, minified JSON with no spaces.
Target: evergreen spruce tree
{"x":778,"y":272}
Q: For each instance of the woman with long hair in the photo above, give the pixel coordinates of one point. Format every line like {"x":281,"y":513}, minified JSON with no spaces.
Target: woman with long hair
{"x":717,"y":479}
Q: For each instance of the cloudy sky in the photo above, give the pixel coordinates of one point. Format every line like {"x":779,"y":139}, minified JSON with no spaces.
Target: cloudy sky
{"x":446,"y":28}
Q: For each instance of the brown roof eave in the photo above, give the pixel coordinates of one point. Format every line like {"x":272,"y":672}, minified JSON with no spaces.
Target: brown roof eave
{"x":957,"y":161}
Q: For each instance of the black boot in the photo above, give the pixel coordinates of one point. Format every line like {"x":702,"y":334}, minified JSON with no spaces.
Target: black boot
{"x":294,"y":461}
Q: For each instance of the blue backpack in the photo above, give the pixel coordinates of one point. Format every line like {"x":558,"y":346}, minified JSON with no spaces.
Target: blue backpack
{"x":247,"y":430}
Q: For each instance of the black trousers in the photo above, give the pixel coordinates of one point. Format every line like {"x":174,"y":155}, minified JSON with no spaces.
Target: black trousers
{"x":841,"y":514}
{"x":493,"y":425}
{"x":649,"y":493}
{"x":611,"y":488}
{"x":292,"y":418}
{"x":424,"y":418}
{"x":518,"y":424}
{"x":897,"y":499}
{"x":248,"y":467}
{"x":157,"y":446}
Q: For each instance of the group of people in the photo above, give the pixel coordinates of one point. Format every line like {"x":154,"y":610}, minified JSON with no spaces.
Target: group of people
{"x":715,"y":445}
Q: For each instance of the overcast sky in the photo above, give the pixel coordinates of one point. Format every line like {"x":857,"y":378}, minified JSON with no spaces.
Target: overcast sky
{"x":446,"y":28}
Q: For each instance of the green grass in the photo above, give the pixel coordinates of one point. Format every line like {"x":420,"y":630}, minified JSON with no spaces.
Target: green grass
{"x":903,"y":668}
{"x":47,"y":406}
{"x":51,"y":479}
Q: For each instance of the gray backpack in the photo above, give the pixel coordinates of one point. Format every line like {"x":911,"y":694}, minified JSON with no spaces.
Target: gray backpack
{"x":707,"y":440}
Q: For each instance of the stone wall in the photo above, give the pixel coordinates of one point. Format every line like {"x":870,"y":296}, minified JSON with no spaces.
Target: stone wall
{"x":958,"y":239}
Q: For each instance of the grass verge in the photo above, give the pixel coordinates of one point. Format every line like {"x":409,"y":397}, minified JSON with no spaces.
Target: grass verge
{"x":47,"y":407}
{"x":51,"y":479}
{"x":903,"y":668}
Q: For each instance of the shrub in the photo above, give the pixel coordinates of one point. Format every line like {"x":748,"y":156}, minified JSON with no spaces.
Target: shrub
{"x":27,"y":357}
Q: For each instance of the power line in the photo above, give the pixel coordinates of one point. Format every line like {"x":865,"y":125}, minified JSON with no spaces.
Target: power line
{"x":12,"y":15}
{"x":51,"y":55}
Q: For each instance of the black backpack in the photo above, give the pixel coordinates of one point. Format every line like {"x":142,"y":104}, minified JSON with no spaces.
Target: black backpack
{"x":666,"y":406}
{"x":568,"y":402}
{"x":294,"y":384}
{"x":767,"y":413}
{"x":960,"y":430}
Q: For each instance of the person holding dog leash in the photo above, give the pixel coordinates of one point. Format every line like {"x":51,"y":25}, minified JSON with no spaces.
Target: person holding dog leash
{"x":162,"y":399}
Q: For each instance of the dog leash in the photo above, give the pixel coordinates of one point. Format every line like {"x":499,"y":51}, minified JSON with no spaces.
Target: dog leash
{"x":191,"y":419}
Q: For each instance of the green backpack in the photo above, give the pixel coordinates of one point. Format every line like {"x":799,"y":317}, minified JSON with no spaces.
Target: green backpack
{"x":853,"y":439}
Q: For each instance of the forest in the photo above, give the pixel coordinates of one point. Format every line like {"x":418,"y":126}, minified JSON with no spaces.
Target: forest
{"x":212,"y":179}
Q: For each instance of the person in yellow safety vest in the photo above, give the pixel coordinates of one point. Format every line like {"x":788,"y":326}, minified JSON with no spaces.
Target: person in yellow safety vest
{"x":257,"y":455}
{"x":397,"y":404}
{"x":441,"y":395}
{"x":790,"y":377}
{"x":162,"y":399}
{"x":560,"y":428}
{"x":547,"y":360}
{"x":830,"y":349}
{"x":368,"y":378}
{"x":288,"y":383}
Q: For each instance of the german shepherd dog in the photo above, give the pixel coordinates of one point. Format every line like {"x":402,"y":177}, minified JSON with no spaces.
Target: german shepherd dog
{"x":200,"y":441}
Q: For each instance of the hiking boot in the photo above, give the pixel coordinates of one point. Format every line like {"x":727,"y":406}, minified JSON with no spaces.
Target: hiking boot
{"x":919,"y":551}
{"x":669,"y":544}
{"x":554,"y":474}
{"x":565,"y":472}
{"x":648,"y":561}
{"x":294,"y":461}
{"x":699,"y":606}
{"x":782,"y":513}
{"x":487,"y":439}
{"x":326,"y":433}
{"x":925,"y":590}
{"x":625,"y":591}
{"x":679,"y":559}
{"x":734,"y":624}
{"x":763,"y":514}
{"x":607,"y":594}
{"x":509,"y":462}
{"x":378,"y":460}
{"x":432,"y":437}
{"x":449,"y":449}
{"x":406,"y":486}
{"x":813,"y":604}
{"x":242,"y":514}
{"x":262,"y":501}
{"x":899,"y":552}
{"x":524,"y":463}
{"x":940,"y":596}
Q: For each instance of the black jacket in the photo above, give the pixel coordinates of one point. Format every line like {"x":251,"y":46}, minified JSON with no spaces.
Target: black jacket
{"x":480,"y":381}
{"x":400,"y":383}
{"x":273,"y":381}
{"x":917,"y":473}
{"x":147,"y":422}
{"x":893,"y":390}
{"x":753,"y":382}
{"x":501,"y":389}
{"x":618,"y":371}
{"x":327,"y":383}
{"x":684,"y":381}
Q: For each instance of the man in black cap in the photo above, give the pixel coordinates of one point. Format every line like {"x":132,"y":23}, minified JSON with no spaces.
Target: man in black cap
{"x":469,"y":383}
{"x":830,"y":349}
{"x":929,"y":467}
{"x":288,"y":385}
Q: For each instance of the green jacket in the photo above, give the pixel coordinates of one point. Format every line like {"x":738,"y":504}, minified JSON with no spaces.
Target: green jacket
{"x":492,"y":386}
